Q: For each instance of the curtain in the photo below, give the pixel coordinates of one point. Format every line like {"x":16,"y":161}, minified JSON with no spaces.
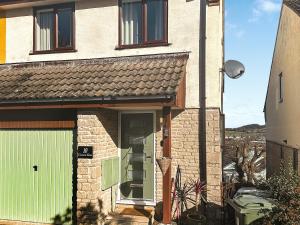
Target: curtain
{"x":65,"y":27}
{"x":155,"y":18}
{"x":131,"y":22}
{"x":44,"y":30}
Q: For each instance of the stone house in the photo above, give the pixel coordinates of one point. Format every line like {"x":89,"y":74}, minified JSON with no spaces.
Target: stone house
{"x":93,"y":92}
{"x":281,"y":106}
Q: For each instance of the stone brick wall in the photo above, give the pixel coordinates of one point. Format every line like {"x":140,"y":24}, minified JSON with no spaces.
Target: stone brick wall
{"x":185,"y":149}
{"x":185,"y":145}
{"x":214,"y":136}
{"x":100,"y":130}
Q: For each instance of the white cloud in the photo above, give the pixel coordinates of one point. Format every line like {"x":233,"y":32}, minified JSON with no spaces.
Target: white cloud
{"x":256,"y":14}
{"x":239,"y":113}
{"x":243,"y":115}
{"x":230,"y":26}
{"x":262,"y":7}
{"x":240,"y":33}
{"x":234,"y":29}
{"x":269,"y":6}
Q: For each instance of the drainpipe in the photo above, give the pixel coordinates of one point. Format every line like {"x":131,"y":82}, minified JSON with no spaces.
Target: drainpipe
{"x":202,"y":91}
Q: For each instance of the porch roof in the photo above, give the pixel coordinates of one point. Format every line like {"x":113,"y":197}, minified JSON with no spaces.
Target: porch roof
{"x":148,"y":77}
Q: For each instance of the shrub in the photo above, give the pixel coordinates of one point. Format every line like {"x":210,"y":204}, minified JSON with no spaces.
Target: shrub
{"x":283,"y":187}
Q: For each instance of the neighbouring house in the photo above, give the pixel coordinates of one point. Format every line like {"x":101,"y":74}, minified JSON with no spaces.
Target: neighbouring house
{"x":93,"y":92}
{"x":281,"y":106}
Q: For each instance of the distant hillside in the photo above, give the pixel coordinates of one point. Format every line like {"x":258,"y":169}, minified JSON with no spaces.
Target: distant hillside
{"x":238,"y":137}
{"x":250,"y":128}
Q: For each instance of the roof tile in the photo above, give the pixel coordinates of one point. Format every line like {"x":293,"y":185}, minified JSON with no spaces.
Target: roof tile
{"x":294,"y":5}
{"x":150,"y":75}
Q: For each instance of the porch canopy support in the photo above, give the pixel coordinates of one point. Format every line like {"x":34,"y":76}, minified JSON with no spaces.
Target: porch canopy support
{"x":167,"y":185}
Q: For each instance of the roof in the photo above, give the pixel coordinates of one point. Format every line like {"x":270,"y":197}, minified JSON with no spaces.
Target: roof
{"x":138,"y":76}
{"x":294,"y":5}
{"x":9,"y":2}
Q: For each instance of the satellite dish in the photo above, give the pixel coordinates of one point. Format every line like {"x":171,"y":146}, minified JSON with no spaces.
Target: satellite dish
{"x":234,"y":69}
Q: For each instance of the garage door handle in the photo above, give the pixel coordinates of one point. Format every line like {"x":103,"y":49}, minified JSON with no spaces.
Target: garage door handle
{"x":35,"y":168}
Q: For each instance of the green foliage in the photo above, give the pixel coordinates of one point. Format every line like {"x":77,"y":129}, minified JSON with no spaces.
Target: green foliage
{"x":283,"y":187}
{"x":187,"y":194}
{"x":64,"y":219}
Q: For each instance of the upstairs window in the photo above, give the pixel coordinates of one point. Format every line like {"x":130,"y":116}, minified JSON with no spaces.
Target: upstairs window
{"x":280,"y":87}
{"x":54,"y":28}
{"x":143,"y":22}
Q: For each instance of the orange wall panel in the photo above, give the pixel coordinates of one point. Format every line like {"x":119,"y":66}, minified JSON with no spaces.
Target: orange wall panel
{"x":2,"y":37}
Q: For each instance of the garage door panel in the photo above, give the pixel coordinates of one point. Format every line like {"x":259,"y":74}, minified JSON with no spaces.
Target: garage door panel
{"x":17,"y":181}
{"x":55,"y":177}
{"x":29,"y":195}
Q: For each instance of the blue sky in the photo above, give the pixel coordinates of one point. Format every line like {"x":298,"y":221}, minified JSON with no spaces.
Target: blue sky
{"x":250,"y":32}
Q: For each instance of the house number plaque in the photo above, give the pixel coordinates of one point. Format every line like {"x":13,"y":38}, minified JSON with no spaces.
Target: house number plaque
{"x":85,"y":152}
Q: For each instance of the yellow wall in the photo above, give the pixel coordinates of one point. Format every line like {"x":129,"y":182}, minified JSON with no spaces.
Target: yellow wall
{"x":2,"y":37}
{"x":282,"y":118}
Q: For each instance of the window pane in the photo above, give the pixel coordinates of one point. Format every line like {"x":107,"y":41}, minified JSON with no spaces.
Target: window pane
{"x":280,"y":88}
{"x":155,"y":19}
{"x":65,"y":28}
{"x":44,"y":30}
{"x":131,"y":22}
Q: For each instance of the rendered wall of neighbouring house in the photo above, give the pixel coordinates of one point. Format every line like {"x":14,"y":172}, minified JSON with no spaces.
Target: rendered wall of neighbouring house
{"x":97,"y":36}
{"x":282,"y":117}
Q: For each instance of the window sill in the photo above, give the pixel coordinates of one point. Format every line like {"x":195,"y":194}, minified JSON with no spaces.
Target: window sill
{"x":122,"y":47}
{"x":53,"y":51}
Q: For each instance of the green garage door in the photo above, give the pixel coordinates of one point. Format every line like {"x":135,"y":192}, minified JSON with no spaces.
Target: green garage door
{"x":35,"y":174}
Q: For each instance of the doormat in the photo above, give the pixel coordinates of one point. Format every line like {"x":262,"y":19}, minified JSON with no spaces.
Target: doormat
{"x":136,"y":212}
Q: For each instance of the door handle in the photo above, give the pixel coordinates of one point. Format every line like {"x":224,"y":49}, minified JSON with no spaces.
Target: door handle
{"x":35,"y":168}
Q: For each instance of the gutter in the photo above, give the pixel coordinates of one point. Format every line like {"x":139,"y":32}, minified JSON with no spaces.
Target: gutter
{"x":202,"y":91}
{"x":98,"y":100}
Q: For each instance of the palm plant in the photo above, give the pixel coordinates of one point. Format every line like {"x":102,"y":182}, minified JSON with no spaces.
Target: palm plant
{"x":200,"y":192}
{"x":181,"y":196}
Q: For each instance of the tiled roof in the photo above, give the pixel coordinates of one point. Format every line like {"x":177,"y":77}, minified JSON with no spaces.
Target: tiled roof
{"x":152,"y":75}
{"x":294,"y":5}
